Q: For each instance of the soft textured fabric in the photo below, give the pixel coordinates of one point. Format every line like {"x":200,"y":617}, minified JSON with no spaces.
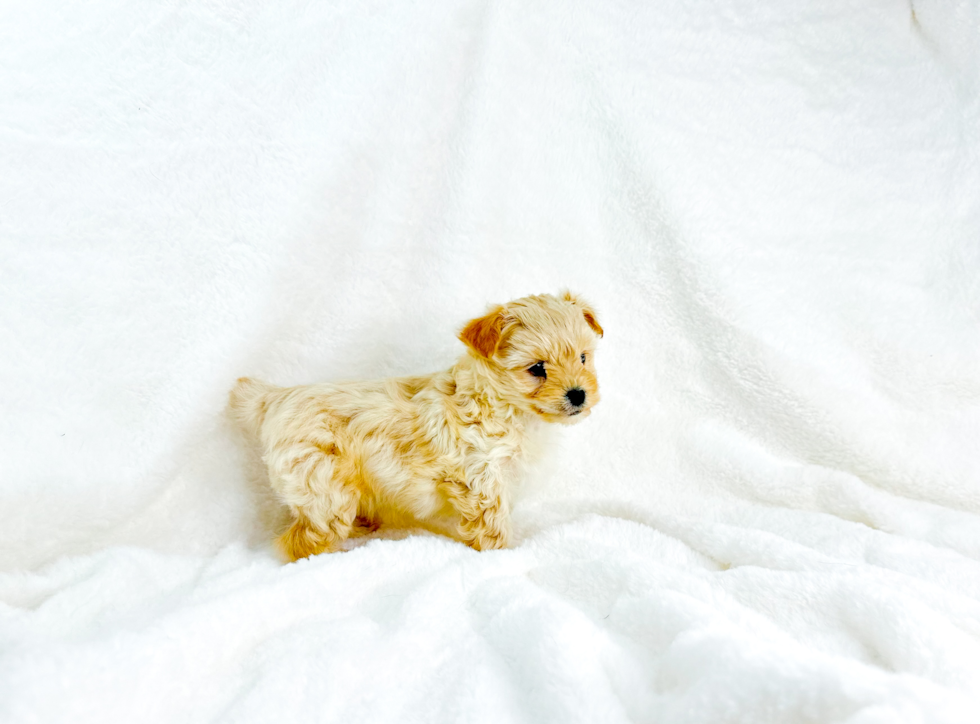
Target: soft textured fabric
{"x":772,"y":516}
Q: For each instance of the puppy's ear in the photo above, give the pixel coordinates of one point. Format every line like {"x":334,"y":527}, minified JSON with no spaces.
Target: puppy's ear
{"x":587,"y":311}
{"x":482,"y":335}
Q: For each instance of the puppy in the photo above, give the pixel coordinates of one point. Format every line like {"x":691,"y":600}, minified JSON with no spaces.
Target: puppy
{"x":345,"y":458}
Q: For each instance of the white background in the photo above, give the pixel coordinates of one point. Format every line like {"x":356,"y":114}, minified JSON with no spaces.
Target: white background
{"x":772,"y":515}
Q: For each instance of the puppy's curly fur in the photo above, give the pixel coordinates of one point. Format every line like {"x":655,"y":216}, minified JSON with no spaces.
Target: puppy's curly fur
{"x":345,"y":458}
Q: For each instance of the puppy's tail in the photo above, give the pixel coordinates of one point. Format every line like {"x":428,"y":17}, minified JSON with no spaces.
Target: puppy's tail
{"x":248,"y":403}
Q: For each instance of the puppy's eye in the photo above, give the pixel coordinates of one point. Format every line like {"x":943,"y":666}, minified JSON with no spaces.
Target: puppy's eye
{"x":538,"y":370}
{"x":583,"y":358}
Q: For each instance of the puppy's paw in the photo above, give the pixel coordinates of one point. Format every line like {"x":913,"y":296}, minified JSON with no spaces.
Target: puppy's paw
{"x":488,"y":541}
{"x":489,"y":530}
{"x":303,"y":540}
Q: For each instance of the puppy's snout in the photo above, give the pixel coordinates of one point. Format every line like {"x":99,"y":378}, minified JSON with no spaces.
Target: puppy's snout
{"x":576,"y":396}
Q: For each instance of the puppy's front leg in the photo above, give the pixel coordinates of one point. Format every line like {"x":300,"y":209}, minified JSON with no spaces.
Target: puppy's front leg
{"x":484,"y":516}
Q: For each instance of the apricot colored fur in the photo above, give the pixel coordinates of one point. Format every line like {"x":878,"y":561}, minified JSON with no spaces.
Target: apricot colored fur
{"x":445,"y":447}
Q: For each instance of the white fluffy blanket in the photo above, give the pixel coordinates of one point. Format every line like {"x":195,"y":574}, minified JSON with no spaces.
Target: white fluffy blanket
{"x":774,"y":514}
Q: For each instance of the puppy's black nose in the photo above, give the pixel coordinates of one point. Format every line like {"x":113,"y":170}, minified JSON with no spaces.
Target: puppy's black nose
{"x":576,"y":396}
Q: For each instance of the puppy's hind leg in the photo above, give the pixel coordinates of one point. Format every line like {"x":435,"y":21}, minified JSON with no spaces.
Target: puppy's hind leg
{"x":323,"y":507}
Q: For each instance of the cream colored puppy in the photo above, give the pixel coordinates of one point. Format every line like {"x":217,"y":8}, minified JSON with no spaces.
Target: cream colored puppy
{"x":416,"y":450}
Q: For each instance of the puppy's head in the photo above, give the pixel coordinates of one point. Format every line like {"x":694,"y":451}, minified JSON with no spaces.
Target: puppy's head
{"x":539,"y":353}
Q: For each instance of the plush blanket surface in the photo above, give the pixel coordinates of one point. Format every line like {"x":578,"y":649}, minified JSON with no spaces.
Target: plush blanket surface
{"x":772,"y":516}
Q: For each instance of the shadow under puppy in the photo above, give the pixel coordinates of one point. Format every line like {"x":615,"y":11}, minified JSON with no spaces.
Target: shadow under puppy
{"x":345,"y":458}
